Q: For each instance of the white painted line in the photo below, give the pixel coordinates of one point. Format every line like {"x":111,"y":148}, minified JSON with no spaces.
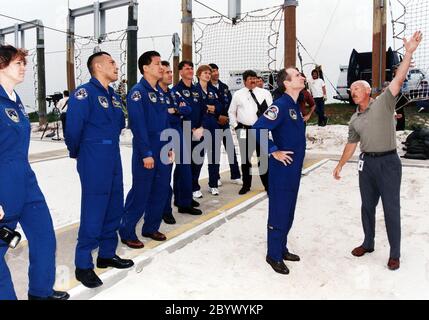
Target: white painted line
{"x":113,"y":276}
{"x":316,"y":166}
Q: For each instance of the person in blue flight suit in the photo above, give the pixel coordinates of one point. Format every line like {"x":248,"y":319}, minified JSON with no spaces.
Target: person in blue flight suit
{"x":213,"y":109}
{"x":21,"y":200}
{"x":287,"y":152}
{"x":95,"y":120}
{"x":191,"y":94}
{"x":182,"y":181}
{"x":225,"y":98}
{"x":148,"y":115}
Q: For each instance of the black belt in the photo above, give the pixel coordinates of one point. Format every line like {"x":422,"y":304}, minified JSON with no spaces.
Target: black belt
{"x":243,"y":126}
{"x":379,"y":154}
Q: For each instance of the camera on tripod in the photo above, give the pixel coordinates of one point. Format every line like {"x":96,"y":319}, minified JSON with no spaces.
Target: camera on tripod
{"x":12,"y":238}
{"x":54,"y":98}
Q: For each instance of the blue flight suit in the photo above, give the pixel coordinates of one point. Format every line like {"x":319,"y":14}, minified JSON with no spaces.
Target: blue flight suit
{"x":95,"y":120}
{"x":182,"y":180}
{"x":148,"y":116}
{"x":225,"y":98}
{"x":192,"y":97}
{"x":23,"y":202}
{"x":287,"y":125}
{"x":210,"y":123}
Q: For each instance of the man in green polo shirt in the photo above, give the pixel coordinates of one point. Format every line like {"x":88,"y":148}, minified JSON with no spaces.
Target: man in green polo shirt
{"x":380,"y":168}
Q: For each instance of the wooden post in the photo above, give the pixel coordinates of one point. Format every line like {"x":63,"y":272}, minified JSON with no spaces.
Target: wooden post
{"x":71,"y":82}
{"x":379,"y":47}
{"x":176,"y":58}
{"x":290,"y":32}
{"x":187,"y":22}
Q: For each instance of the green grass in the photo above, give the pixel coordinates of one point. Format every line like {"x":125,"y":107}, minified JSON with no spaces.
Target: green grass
{"x":34,"y":117}
{"x":340,"y":114}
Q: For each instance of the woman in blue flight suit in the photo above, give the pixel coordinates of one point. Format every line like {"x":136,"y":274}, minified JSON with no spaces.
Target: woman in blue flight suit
{"x":20,"y":196}
{"x":213,"y":108}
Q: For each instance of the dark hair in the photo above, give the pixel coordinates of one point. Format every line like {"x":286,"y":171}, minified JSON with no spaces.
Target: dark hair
{"x":185,"y":63}
{"x":66,"y":93}
{"x":283,"y":76}
{"x":165,"y":63}
{"x":92,"y":57}
{"x":249,"y":73}
{"x":214,"y":66}
{"x":9,"y":54}
{"x":146,"y":59}
{"x":315,"y":71}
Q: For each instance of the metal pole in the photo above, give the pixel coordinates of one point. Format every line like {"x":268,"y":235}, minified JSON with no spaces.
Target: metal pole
{"x":234,"y":9}
{"x":290,"y":32}
{"x":379,"y":47}
{"x":71,"y":81}
{"x":97,"y":20}
{"x":187,"y":21}
{"x":16,"y":34}
{"x":41,"y":78}
{"x":22,"y":45}
{"x":176,"y":58}
{"x":132,"y":44}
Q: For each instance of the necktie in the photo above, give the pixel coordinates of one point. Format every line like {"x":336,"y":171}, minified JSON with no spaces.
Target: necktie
{"x":260,"y":112}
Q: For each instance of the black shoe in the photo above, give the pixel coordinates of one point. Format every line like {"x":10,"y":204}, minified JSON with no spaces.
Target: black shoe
{"x":115,"y":262}
{"x":190,"y":210}
{"x":169,"y":219}
{"x":88,"y":278}
{"x":278,"y":266}
{"x":195,"y":204}
{"x":57,"y":295}
{"x":244,"y":190}
{"x":291,"y":257}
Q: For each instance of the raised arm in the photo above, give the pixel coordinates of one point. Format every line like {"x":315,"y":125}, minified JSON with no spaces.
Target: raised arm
{"x":401,"y":73}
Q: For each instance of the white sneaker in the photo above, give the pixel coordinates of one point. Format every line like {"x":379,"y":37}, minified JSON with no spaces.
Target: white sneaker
{"x":237,"y":181}
{"x":214,"y":191}
{"x":197,"y":195}
{"x":219,"y":183}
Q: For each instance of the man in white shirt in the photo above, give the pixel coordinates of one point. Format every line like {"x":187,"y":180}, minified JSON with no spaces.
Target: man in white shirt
{"x":62,"y":106}
{"x":248,"y":104}
{"x":318,"y":91}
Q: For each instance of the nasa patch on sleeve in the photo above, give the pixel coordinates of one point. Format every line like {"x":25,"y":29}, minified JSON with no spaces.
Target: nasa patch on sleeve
{"x":136,"y":96}
{"x":81,"y":94}
{"x":272,"y":113}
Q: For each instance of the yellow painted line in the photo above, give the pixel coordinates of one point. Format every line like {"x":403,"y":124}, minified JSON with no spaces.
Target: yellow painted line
{"x":73,"y":283}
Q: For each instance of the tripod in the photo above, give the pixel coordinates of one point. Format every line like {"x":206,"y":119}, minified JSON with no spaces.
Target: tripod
{"x":57,"y":114}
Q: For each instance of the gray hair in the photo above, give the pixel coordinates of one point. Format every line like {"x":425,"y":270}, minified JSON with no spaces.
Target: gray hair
{"x":363,"y":83}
